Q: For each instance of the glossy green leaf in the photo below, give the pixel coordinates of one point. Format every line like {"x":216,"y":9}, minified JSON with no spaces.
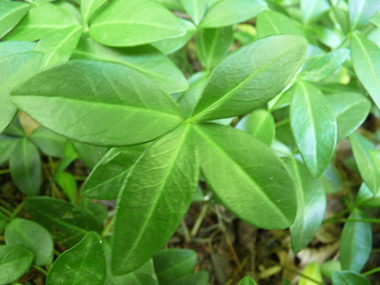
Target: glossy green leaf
{"x":10,"y":14}
{"x":213,"y":44}
{"x":25,"y":166}
{"x":348,"y":278}
{"x":259,"y":124}
{"x":33,"y":237}
{"x":14,"y":68}
{"x":195,"y":8}
{"x":242,"y":171}
{"x":351,"y":110}
{"x":144,"y":59}
{"x":134,"y":22}
{"x":355,"y":242}
{"x":326,"y":65}
{"x":69,"y":185}
{"x":228,"y":12}
{"x":366,"y":60}
{"x":198,"y":278}
{"x":366,"y":198}
{"x":271,"y":23}
{"x":313,"y":10}
{"x":89,"y":154}
{"x":331,"y":181}
{"x":89,"y":7}
{"x":171,"y":264}
{"x":59,"y":45}
{"x":48,"y":142}
{"x":247,"y":280}
{"x":361,"y":11}
{"x":105,"y":180}
{"x":107,"y":103}
{"x":250,"y":77}
{"x":9,"y":48}
{"x":313,"y":271}
{"x":311,"y":205}
{"x":360,"y":147}
{"x":42,"y":19}
{"x":14,"y":263}
{"x":155,"y":197}
{"x":84,"y":263}
{"x":66,"y":222}
{"x":329,"y":37}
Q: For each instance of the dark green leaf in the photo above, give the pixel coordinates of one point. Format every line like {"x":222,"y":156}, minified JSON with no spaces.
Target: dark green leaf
{"x":9,"y":48}
{"x":348,"y":278}
{"x":7,"y":145}
{"x":49,"y":142}
{"x":14,"y":262}
{"x":271,"y":23}
{"x":361,"y":11}
{"x":312,"y":10}
{"x":195,"y":8}
{"x":99,"y":211}
{"x":11,"y":13}
{"x":198,"y":278}
{"x":69,"y":185}
{"x":89,"y":154}
{"x":247,"y":280}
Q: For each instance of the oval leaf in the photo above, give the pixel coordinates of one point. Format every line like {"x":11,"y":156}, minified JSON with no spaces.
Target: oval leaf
{"x":348,"y":278}
{"x":89,"y":154}
{"x":10,"y":14}
{"x":361,"y":11}
{"x":247,"y":280}
{"x":14,"y":263}
{"x":195,"y":8}
{"x":48,"y":142}
{"x":9,"y":48}
{"x":271,"y":23}
{"x":198,"y":278}
{"x":312,"y":271}
{"x":312,"y":10}
{"x":89,"y":7}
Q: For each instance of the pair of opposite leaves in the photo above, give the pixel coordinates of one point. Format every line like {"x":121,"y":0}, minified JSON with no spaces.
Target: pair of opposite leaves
{"x":111,"y":105}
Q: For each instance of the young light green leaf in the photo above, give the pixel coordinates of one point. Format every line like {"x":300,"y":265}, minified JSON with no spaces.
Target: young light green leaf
{"x":313,"y":10}
{"x":25,"y":166}
{"x":329,"y":267}
{"x":259,"y":124}
{"x":199,"y":278}
{"x":366,"y":198}
{"x":108,"y":103}
{"x":69,"y":185}
{"x":213,"y":44}
{"x":313,"y":271}
{"x":59,"y":45}
{"x":89,"y":154}
{"x":11,"y":13}
{"x":326,"y":65}
{"x":355,"y":242}
{"x":242,"y":171}
{"x":14,"y":263}
{"x":14,"y":68}
{"x":134,"y":22}
{"x":105,"y":180}
{"x":171,"y":264}
{"x":311,"y":205}
{"x":84,"y":263}
{"x":48,"y":142}
{"x":229,"y":12}
{"x":89,"y":7}
{"x":271,"y":23}
{"x":331,"y":181}
{"x":195,"y":8}
{"x":360,"y":147}
{"x":329,"y":37}
{"x":250,"y":77}
{"x":154,"y":199}
{"x":43,"y":18}
{"x":314,"y":127}
{"x":361,"y":11}
{"x":33,"y":237}
{"x":348,"y":278}
{"x":351,"y":109}
{"x":144,"y":59}
{"x":247,"y":280}
{"x":366,"y":60}
{"x":12,"y":47}
{"x":66,"y":222}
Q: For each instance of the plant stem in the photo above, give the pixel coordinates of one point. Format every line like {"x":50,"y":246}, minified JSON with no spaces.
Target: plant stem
{"x":337,"y":215}
{"x":375,"y":221}
{"x":369,"y":272}
{"x":6,"y":211}
{"x":17,"y":210}
{"x":40,"y":269}
{"x":198,"y":222}
{"x":5,"y":171}
{"x":108,"y":228}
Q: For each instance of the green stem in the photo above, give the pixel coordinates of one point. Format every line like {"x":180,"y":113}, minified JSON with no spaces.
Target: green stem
{"x":6,"y":211}
{"x":369,"y":272}
{"x":40,"y":269}
{"x":5,"y":171}
{"x":17,"y":210}
{"x":108,"y":228}
{"x":198,"y":223}
{"x":375,"y":221}
{"x":337,"y":215}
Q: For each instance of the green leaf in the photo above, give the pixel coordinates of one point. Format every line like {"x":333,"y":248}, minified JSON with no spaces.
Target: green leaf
{"x":171,"y":264}
{"x":361,"y":11}
{"x":84,"y":263}
{"x":312,"y":271}
{"x":326,"y":65}
{"x":198,"y":278}
{"x":366,"y":198}
{"x":14,"y":263}
{"x":313,"y":10}
{"x":10,"y":14}
{"x":89,"y":7}
{"x":168,"y":172}
{"x":259,"y":124}
{"x":144,"y":59}
{"x":366,"y":60}
{"x":105,"y":180}
{"x":66,"y":222}
{"x":271,"y":23}
{"x":329,"y":267}
{"x":89,"y":154}
{"x":9,"y":48}
{"x":49,"y":142}
{"x":329,"y":37}
{"x":229,"y":12}
{"x":172,"y":4}
{"x":69,"y":185}
{"x":15,"y":129}
{"x":348,"y":278}
{"x":314,"y":127}
{"x":247,"y":280}
{"x":360,"y":147}
{"x":43,"y":18}
{"x":33,"y":237}
{"x":195,"y":8}
{"x":14,"y":68}
{"x":25,"y":166}
{"x":351,"y":110}
{"x":311,"y":205}
{"x":108,"y":103}
{"x":355,"y":242}
{"x":134,"y":22}
{"x":99,"y":211}
{"x":245,"y":79}
{"x":59,"y":45}
{"x":331,"y":181}
{"x":242,"y":171}
{"x":7,"y":145}
{"x":213,"y":44}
